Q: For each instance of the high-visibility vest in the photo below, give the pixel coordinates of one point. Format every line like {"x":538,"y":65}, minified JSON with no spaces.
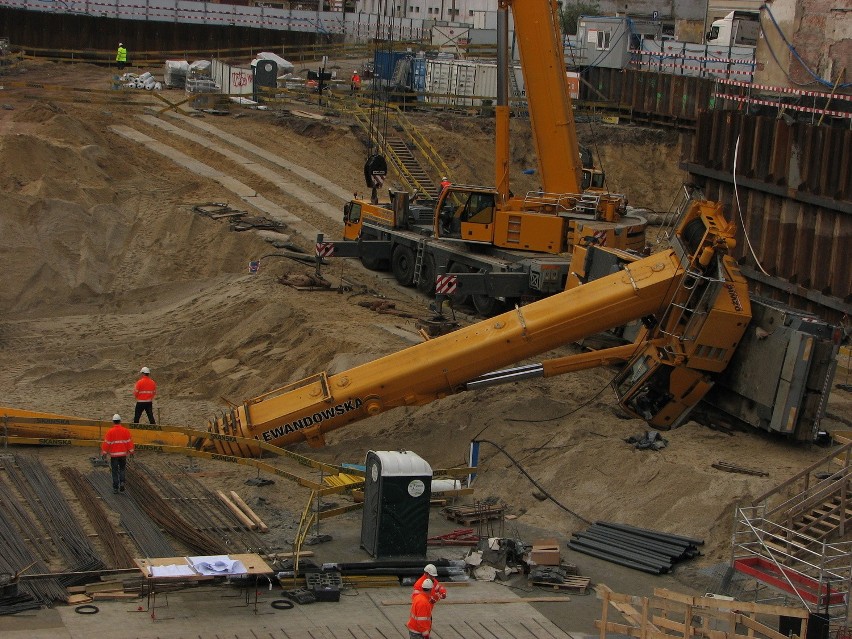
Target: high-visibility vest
{"x":121,"y":55}
{"x":117,"y":442}
{"x":420,"y":619}
{"x":145,"y":389}
{"x":437,"y":592}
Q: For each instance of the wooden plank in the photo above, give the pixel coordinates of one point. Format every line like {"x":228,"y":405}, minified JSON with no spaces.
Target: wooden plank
{"x":720,"y":604}
{"x":104,"y":596}
{"x":75,"y":600}
{"x":755,"y":626}
{"x":248,"y":511}
{"x":239,"y":514}
{"x":631,"y":631}
{"x":579,"y":584}
{"x":104,"y":586}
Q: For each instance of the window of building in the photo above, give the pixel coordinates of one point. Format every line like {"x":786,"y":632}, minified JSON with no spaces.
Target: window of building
{"x":603,"y":40}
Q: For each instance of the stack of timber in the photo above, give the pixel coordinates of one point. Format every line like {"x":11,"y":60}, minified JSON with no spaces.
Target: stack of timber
{"x":564,"y":577}
{"x":639,"y":548}
{"x":468,"y":515}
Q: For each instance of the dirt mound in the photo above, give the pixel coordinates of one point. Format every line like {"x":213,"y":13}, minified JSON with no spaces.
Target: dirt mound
{"x":111,"y":269}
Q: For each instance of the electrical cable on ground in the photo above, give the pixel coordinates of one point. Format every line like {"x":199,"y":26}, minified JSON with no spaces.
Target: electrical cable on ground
{"x":533,"y":481}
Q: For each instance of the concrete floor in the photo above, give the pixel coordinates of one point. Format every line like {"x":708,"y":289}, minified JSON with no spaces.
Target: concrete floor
{"x":220,"y":611}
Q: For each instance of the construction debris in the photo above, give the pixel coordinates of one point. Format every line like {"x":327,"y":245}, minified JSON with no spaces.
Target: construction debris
{"x":650,"y":440}
{"x":559,"y":578}
{"x":385,"y":308}
{"x":305,"y":282}
{"x":472,"y":514}
{"x":733,"y":468}
{"x":217,"y":210}
{"x":141,"y":81}
{"x":460,"y":537}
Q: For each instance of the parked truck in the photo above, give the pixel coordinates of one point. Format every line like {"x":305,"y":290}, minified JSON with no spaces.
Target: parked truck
{"x":499,"y":248}
{"x":738,"y":28}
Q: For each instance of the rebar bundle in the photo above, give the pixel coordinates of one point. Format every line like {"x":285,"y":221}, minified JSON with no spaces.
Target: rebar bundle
{"x":38,"y":489}
{"x":147,"y":536}
{"x":202,"y":509}
{"x":117,"y":554}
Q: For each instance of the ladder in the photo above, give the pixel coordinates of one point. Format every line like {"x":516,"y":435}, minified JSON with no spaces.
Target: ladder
{"x":516,"y":101}
{"x":418,"y":260}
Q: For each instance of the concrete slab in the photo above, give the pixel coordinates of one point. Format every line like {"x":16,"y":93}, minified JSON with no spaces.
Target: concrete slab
{"x":241,"y":190}
{"x":218,"y":611}
{"x":274,"y":158}
{"x":286,"y":186}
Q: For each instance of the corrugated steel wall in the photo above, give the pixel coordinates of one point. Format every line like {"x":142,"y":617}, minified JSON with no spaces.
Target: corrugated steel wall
{"x":794,"y":182}
{"x":70,"y":32}
{"x":660,"y":97}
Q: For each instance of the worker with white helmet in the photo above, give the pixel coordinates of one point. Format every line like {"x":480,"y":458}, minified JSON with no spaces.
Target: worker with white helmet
{"x":420,"y":620}
{"x":118,"y":445}
{"x":121,"y":56}
{"x":437,"y":591}
{"x":145,"y":391}
{"x":445,"y":183}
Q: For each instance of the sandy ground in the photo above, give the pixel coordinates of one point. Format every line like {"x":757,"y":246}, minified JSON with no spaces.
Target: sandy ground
{"x":106,"y":268}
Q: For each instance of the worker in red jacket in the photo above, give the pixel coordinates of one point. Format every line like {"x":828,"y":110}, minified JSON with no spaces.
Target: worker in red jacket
{"x":420,"y":620}
{"x":145,"y":391}
{"x":118,"y":444}
{"x":438,"y":592}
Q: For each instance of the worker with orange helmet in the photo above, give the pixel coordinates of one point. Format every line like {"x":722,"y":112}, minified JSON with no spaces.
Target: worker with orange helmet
{"x":118,"y":445}
{"x":420,"y":620}
{"x":437,"y":592}
{"x":144,"y":392}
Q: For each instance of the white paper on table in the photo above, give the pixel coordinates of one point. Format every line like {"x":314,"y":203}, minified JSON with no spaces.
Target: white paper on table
{"x":173,"y":570}
{"x":217,"y":565}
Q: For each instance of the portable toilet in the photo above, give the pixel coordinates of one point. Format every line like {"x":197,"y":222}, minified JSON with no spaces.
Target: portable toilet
{"x":397,"y":490}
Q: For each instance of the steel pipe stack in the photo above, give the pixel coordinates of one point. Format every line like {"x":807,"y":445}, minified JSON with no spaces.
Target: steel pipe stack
{"x":638,"y":548}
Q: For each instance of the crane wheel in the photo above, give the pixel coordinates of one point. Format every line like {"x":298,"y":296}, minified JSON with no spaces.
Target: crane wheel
{"x":488,"y":306}
{"x":426,"y":284}
{"x":374,"y":263}
{"x":459,"y":299}
{"x":402,"y":265}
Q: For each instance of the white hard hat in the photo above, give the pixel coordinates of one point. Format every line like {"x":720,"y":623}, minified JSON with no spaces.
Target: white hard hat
{"x":427,"y":584}
{"x":116,"y":418}
{"x":431,"y":570}
{"x":145,"y":370}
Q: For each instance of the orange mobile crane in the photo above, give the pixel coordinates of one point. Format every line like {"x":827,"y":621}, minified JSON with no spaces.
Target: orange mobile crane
{"x":697,"y":354}
{"x":502,"y":249}
{"x":694,"y":307}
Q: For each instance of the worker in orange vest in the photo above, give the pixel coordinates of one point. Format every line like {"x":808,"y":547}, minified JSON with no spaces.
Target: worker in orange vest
{"x":144,"y":392}
{"x":118,"y":444}
{"x":438,"y":592}
{"x":445,"y":183}
{"x":356,"y":82}
{"x":420,"y":620}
